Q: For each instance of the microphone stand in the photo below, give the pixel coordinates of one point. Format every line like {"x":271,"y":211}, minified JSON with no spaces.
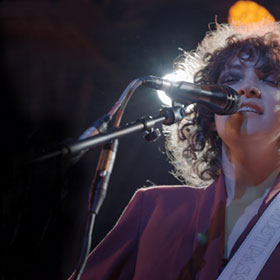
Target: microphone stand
{"x":98,"y":189}
{"x":106,"y":161}
{"x":167,"y":116}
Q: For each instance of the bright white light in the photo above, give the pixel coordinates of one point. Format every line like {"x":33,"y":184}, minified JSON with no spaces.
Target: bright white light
{"x":175,"y":76}
{"x":166,"y":100}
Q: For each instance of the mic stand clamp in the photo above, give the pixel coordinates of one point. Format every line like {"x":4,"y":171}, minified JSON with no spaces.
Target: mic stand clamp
{"x":151,"y":134}
{"x":172,"y":115}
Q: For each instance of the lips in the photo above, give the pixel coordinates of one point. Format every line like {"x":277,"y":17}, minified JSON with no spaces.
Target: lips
{"x":250,"y":107}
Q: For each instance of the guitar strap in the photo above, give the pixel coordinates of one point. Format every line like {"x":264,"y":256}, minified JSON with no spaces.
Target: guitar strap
{"x":251,"y":256}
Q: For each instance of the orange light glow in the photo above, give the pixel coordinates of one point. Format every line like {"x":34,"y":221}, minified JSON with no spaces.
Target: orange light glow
{"x":245,"y":12}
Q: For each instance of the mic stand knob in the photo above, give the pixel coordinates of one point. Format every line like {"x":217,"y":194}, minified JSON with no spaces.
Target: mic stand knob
{"x":152,"y":135}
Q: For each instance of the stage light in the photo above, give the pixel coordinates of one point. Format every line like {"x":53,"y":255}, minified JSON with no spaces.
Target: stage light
{"x":245,"y":12}
{"x":178,"y":75}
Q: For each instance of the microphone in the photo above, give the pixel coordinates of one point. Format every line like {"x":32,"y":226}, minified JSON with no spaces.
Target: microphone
{"x":221,"y":100}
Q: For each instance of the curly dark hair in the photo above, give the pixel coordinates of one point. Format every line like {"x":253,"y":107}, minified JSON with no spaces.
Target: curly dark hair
{"x":202,"y":145}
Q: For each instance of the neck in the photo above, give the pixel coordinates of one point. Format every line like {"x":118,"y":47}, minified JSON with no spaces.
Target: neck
{"x":250,"y":166}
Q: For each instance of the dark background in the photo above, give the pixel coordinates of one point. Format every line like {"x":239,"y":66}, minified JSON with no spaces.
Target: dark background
{"x":63,"y":65}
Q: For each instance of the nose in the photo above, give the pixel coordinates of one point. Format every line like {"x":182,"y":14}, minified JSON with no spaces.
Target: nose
{"x":250,"y":92}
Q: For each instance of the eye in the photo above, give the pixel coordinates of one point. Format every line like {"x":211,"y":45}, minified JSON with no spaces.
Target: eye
{"x":271,"y":82}
{"x":229,"y":79}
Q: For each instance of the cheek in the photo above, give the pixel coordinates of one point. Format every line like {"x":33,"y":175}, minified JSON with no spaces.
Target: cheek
{"x":277,"y":109}
{"x":272,"y":118}
{"x":277,"y":120}
{"x":220,"y":122}
{"x":229,"y":126}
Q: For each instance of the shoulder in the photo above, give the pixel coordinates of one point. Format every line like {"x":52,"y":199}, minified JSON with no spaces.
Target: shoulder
{"x":179,"y":194}
{"x":170,"y":191}
{"x":171,"y":197}
{"x":161,"y":201}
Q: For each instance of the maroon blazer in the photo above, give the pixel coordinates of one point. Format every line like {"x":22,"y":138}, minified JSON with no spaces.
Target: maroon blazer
{"x":172,"y":232}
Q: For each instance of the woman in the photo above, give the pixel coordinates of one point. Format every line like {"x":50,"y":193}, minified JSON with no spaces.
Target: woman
{"x":183,"y":232}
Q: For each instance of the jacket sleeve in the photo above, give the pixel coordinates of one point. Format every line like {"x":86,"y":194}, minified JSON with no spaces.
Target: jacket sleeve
{"x":115,"y":256}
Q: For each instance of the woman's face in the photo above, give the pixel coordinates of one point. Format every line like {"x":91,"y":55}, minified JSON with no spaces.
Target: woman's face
{"x":259,"y":115}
